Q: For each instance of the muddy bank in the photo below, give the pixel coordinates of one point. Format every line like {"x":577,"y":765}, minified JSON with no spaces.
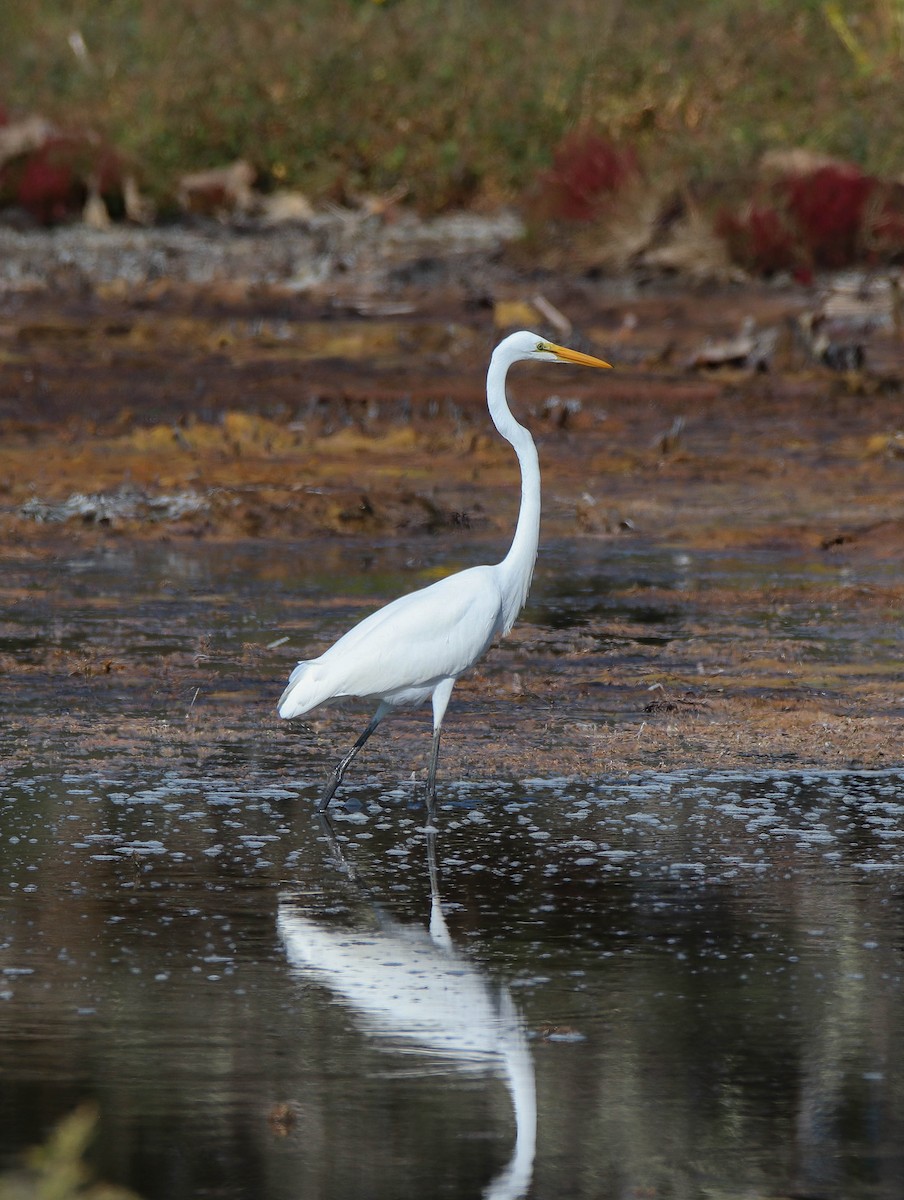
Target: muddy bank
{"x":346,"y":422}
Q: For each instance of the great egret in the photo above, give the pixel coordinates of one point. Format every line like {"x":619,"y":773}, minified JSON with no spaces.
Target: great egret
{"x":416,"y":647}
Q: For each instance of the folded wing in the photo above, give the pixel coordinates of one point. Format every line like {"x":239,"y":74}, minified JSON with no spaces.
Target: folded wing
{"x":409,"y":645}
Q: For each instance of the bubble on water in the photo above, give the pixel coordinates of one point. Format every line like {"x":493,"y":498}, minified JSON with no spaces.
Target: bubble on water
{"x":815,"y":837}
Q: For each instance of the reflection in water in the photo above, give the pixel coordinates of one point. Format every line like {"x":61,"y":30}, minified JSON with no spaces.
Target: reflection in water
{"x":409,"y":985}
{"x":717,"y":958}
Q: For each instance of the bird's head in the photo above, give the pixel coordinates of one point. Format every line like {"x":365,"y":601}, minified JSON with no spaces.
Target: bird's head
{"x":526,"y":345}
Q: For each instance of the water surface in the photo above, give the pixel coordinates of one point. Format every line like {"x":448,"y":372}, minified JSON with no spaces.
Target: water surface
{"x":668,"y":982}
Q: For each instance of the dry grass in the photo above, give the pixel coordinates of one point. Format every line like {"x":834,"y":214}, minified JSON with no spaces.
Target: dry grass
{"x":459,"y":103}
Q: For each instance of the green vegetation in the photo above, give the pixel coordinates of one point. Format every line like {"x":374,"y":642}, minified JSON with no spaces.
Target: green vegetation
{"x":56,"y":1170}
{"x":460,"y":102}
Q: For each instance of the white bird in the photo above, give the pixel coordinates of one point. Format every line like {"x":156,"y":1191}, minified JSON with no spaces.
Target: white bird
{"x":415,"y":648}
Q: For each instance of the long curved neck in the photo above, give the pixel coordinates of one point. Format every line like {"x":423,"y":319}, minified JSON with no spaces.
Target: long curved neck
{"x":517,"y":567}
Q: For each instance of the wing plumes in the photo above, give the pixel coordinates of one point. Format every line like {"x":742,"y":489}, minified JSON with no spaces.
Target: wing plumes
{"x":304,"y":691}
{"x":401,"y":652}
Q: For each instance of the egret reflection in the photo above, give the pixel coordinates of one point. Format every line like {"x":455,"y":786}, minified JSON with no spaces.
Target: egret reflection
{"x":411,"y":988}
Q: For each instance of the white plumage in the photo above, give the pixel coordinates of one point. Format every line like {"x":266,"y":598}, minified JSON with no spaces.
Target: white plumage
{"x":416,"y":647}
{"x":401,"y":650}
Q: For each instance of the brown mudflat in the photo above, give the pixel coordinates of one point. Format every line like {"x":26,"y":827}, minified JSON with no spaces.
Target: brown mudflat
{"x":253,"y":420}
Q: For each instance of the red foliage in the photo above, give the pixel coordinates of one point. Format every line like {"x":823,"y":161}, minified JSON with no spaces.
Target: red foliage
{"x":826,"y":219}
{"x":828,"y":208}
{"x":760,"y":239}
{"x":587,"y":171}
{"x":51,"y":182}
{"x":49,"y":186}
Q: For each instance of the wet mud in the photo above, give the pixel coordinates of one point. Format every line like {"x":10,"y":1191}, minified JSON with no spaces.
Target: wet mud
{"x":200,"y":483}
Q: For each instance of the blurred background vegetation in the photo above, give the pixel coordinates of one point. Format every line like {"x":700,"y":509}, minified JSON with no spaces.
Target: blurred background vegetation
{"x":460,"y":102}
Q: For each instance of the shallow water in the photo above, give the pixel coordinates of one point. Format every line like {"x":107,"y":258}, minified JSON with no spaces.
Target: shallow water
{"x":672,"y":983}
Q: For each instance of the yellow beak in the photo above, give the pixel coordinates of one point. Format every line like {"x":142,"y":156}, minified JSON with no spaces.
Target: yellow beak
{"x":575,"y":356}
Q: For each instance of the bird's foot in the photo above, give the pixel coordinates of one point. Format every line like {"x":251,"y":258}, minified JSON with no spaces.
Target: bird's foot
{"x":431,"y":806}
{"x":329,"y":792}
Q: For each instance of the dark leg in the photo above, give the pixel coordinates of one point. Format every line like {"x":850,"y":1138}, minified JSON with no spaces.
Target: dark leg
{"x":431,"y":774}
{"x":336,"y":777}
{"x":441,"y":695}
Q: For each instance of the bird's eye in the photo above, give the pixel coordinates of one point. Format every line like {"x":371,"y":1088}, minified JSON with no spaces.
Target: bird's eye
{"x":542,"y":347}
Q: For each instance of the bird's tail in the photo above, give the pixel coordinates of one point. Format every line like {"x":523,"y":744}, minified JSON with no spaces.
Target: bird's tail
{"x":304,"y":691}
